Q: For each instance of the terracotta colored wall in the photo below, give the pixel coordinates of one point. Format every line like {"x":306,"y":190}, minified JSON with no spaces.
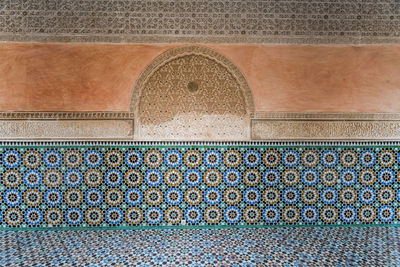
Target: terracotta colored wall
{"x":310,"y":78}
{"x":70,"y":77}
{"x":100,"y":77}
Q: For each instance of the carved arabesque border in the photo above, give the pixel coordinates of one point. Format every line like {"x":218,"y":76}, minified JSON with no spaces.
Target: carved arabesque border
{"x":65,"y":115}
{"x":327,"y":116}
{"x":325,"y":126}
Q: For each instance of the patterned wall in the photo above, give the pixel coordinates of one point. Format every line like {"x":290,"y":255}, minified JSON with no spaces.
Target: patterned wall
{"x":192,"y":93}
{"x":94,"y":184}
{"x":292,"y":21}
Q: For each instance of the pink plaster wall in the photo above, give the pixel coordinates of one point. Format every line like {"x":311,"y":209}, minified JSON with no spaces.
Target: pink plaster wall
{"x":100,"y":77}
{"x":321,"y":78}
{"x":70,"y":77}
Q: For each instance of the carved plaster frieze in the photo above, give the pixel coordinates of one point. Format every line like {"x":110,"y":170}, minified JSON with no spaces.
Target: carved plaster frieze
{"x":183,"y":21}
{"x":325,"y":126}
{"x":66,"y":129}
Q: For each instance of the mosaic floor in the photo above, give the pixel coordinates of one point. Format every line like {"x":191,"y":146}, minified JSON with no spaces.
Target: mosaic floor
{"x":325,"y":246}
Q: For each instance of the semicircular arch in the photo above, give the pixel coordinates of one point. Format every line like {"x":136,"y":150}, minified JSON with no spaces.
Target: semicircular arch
{"x":192,"y":93}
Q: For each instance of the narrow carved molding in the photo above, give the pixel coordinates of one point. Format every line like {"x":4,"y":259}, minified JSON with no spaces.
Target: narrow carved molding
{"x":61,"y":115}
{"x":345,"y":116}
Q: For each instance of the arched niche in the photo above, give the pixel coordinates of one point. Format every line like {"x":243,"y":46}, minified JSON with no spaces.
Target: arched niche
{"x":192,"y":93}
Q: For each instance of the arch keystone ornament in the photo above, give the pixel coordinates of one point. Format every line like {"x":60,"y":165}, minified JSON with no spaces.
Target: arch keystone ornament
{"x":192,"y":93}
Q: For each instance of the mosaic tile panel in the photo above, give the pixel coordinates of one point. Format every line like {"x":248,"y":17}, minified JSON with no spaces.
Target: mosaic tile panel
{"x":128,"y":184}
{"x":239,"y":21}
{"x":287,"y":246}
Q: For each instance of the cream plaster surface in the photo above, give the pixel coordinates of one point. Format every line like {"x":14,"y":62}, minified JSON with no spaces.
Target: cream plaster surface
{"x":199,"y":127}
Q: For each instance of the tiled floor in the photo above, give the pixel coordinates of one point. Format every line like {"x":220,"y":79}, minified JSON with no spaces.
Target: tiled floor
{"x":325,"y":246}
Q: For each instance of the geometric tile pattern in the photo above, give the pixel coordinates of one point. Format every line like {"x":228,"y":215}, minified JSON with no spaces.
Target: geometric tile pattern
{"x":106,"y":184}
{"x":239,"y":21}
{"x":285,"y":246}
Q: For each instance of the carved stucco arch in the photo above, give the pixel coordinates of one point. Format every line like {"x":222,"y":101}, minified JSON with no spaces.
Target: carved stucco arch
{"x":169,"y":72}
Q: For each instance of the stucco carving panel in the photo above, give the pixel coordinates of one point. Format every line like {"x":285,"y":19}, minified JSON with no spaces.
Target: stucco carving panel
{"x":65,"y":129}
{"x":325,"y":130}
{"x":192,"y":93}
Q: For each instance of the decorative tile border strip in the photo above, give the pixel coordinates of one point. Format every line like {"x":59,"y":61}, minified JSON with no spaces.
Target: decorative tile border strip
{"x":64,"y":185}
